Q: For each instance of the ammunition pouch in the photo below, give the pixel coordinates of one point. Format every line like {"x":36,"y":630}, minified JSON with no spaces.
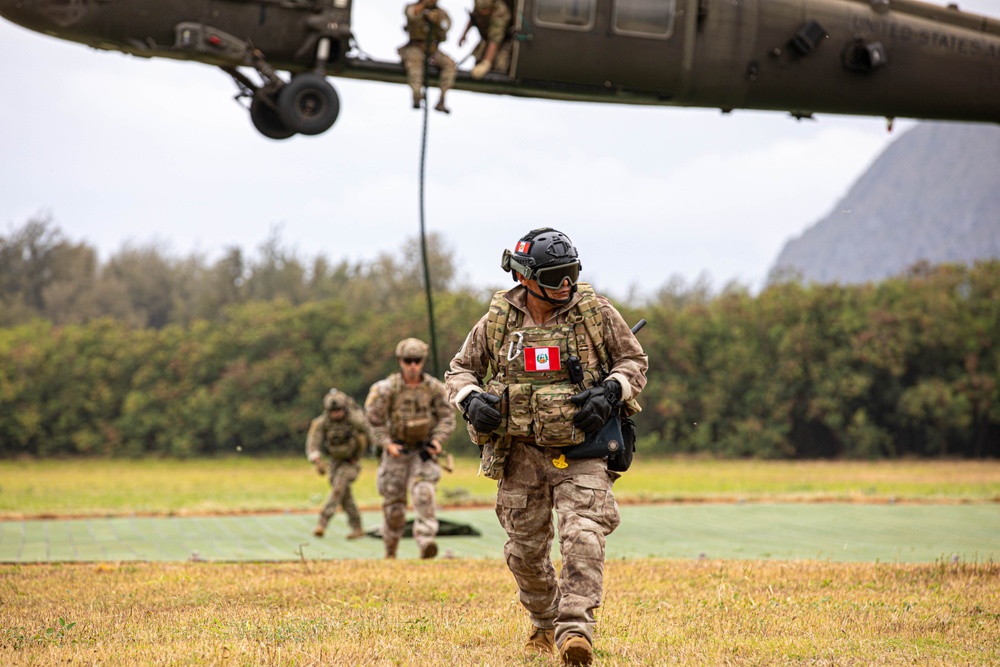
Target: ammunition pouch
{"x":544,"y":413}
{"x":342,"y":452}
{"x":493,"y":456}
{"x":552,"y":416}
{"x":412,"y":430}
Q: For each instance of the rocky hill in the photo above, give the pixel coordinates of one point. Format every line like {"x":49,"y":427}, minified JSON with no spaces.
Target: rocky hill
{"x":933,"y":194}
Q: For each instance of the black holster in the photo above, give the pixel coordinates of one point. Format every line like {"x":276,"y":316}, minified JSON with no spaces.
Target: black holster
{"x":614,"y":441}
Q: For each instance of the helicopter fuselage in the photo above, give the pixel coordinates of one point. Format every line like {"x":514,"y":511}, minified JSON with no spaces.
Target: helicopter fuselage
{"x":892,"y":58}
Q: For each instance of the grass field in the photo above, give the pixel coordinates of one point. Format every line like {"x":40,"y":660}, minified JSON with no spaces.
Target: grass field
{"x":705,"y":610}
{"x":239,"y":484}
{"x":465,"y":612}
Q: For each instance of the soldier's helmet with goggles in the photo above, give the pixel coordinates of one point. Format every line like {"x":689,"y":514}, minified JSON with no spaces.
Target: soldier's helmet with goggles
{"x":546,"y":256}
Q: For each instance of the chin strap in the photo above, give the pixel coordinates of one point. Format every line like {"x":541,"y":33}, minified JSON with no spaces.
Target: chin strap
{"x":544,"y":296}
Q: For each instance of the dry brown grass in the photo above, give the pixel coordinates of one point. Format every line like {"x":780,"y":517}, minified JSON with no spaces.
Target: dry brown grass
{"x":454,"y":612}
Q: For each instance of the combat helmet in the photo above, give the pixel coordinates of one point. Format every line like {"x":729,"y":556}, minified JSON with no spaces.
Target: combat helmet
{"x":546,"y":256}
{"x":412,"y":348}
{"x":335,"y":400}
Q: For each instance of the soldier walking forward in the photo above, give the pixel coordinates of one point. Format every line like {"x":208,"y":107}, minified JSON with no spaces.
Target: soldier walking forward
{"x":410,"y":419}
{"x":561,"y":360}
{"x":341,"y":434}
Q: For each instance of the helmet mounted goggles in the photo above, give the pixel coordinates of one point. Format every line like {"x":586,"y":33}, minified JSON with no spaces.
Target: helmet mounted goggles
{"x":550,"y":277}
{"x":553,"y":277}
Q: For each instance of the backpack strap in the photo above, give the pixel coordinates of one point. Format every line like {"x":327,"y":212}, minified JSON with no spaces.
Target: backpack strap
{"x":497,"y":326}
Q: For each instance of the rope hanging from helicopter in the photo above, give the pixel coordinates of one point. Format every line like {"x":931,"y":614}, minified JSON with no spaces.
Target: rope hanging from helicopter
{"x":423,"y":235}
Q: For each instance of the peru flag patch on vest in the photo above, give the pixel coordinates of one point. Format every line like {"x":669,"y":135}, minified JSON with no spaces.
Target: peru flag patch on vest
{"x":541,"y":359}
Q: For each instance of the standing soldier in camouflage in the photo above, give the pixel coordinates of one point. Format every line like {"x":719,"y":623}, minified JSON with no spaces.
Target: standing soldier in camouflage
{"x":427,"y":25}
{"x":561,"y":360}
{"x":342,"y":434}
{"x":492,"y":20}
{"x":410,"y":419}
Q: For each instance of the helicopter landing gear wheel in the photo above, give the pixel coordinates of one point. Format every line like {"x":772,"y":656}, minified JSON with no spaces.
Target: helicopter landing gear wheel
{"x":308,"y":104}
{"x":266,"y":119}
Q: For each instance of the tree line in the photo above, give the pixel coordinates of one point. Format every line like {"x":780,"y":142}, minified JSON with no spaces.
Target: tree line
{"x":45,"y":275}
{"x":147,"y":355}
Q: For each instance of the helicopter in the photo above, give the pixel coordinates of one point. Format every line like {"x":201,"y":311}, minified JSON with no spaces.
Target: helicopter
{"x":888,"y":58}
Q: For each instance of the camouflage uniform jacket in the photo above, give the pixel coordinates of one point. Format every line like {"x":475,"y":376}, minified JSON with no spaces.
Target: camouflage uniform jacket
{"x":433,"y":22}
{"x":492,"y":19}
{"x":341,"y":440}
{"x":476,"y":360}
{"x":409,"y":415}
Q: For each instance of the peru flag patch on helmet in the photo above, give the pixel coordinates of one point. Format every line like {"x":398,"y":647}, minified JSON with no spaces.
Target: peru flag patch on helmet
{"x":523,"y":247}
{"x":541,"y":359}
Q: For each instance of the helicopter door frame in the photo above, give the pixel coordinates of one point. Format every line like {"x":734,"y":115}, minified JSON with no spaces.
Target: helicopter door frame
{"x":516,"y":46}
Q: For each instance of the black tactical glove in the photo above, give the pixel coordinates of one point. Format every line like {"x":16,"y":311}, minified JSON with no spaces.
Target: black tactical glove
{"x":596,"y":405}
{"x":479,"y":411}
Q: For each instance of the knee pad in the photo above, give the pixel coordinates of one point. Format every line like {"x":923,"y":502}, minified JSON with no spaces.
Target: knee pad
{"x":395,"y":516}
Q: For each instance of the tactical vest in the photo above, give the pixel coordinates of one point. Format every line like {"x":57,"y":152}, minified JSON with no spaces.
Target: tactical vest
{"x":339,"y":440}
{"x":530,"y":367}
{"x":419,"y":28}
{"x":411,"y":412}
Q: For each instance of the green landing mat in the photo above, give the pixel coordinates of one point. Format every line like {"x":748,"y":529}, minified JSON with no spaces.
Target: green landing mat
{"x":833,"y":532}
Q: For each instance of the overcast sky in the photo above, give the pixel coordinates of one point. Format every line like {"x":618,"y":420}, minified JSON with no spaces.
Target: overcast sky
{"x":120,"y":150}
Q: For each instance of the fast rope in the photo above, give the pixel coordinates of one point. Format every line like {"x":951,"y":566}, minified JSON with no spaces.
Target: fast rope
{"x":423,"y":235}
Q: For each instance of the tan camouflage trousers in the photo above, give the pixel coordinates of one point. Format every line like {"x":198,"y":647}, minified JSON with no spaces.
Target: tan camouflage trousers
{"x":501,"y":64}
{"x":342,"y":475}
{"x":580,"y":493}
{"x":413,"y":61}
{"x":396,"y":476}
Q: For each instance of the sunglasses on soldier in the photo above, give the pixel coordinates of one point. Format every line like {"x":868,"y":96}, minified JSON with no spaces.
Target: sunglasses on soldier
{"x":553,"y":277}
{"x":412,"y":360}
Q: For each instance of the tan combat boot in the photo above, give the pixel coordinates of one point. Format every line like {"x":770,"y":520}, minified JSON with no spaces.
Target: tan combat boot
{"x":541,"y":641}
{"x":429,"y":550}
{"x":576,"y":650}
{"x":355,"y":534}
{"x":319,"y":530}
